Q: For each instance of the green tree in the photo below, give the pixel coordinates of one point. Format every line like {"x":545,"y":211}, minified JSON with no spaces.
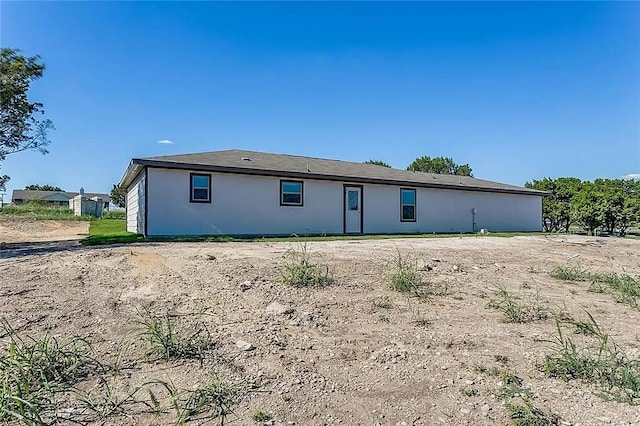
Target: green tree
{"x":556,"y":207}
{"x":20,"y":130}
{"x":42,"y":188}
{"x":587,"y":207}
{"x":118,"y":196}
{"x":377,"y":163}
{"x":440,"y":165}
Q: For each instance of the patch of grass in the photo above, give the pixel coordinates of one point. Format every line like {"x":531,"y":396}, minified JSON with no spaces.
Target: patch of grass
{"x":299,"y":269}
{"x":604,"y":363}
{"x":570,"y":273}
{"x":624,"y":288}
{"x":526,"y":414}
{"x":41,"y":211}
{"x":115,"y":214}
{"x":109,"y":231}
{"x":106,"y":398}
{"x":294,"y":238}
{"x":515,"y":311}
{"x":260,"y":416}
{"x":169,"y":338}
{"x":34,"y":371}
{"x":214,"y":400}
{"x":511,"y":386}
{"x":406,"y":277}
{"x":113,"y":231}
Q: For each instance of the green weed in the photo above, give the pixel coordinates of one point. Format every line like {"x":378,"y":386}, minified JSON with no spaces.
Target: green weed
{"x":405,"y":277}
{"x":210,"y":401}
{"x":33,"y":371}
{"x":300,"y":270}
{"x":169,"y":338}
{"x":468,"y":391}
{"x":526,"y":414}
{"x":260,"y":416}
{"x":604,"y":363}
{"x":570,"y":273}
{"x":624,"y":288}
{"x":516,"y":311}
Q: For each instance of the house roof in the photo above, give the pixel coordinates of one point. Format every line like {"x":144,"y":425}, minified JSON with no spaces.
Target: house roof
{"x":281,"y":165}
{"x":25,"y":194}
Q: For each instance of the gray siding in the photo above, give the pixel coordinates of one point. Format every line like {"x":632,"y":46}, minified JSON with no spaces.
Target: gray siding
{"x":250,"y":205}
{"x":136,"y":205}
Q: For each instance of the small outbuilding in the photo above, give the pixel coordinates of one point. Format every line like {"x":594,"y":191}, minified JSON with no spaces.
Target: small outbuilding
{"x":237,"y":192}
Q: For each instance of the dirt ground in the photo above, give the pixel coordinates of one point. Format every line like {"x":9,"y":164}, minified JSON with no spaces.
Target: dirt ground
{"x":354,"y":352}
{"x":20,"y":230}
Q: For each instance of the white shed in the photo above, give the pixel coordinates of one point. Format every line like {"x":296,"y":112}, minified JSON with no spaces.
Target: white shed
{"x":248,"y":193}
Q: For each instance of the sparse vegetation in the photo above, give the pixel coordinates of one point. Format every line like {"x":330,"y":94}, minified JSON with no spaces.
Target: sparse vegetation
{"x":300,"y":270}
{"x":516,"y":311}
{"x":468,"y":391}
{"x":526,"y":414}
{"x":169,"y":338}
{"x":260,"y":416}
{"x":624,"y":288}
{"x":406,"y":277}
{"x":33,"y":371}
{"x":603,"y":363}
{"x":511,"y":386}
{"x":213,"y":400}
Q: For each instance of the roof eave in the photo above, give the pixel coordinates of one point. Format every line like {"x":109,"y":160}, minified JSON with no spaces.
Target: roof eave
{"x":141,"y":162}
{"x":133,"y":170}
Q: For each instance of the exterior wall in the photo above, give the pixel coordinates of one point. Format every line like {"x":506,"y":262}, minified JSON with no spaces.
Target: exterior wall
{"x":450,"y":211}
{"x":136,"y":205}
{"x":83,"y":206}
{"x":240,"y":204}
{"x":250,"y":205}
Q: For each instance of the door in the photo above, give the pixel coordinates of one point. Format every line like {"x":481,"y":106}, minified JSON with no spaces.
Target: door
{"x":352,"y":210}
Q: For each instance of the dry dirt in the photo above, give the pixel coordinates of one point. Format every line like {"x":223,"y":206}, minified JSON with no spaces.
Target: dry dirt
{"x":354,"y":352}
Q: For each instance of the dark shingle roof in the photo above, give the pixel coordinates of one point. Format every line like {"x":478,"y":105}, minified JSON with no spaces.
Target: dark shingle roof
{"x":25,"y":194}
{"x":260,"y":163}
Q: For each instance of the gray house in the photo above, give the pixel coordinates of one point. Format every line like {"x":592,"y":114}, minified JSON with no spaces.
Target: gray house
{"x":55,"y":198}
{"x":238,"y":192}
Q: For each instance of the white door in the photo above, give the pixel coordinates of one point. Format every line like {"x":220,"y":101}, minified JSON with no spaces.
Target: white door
{"x":353,"y":210}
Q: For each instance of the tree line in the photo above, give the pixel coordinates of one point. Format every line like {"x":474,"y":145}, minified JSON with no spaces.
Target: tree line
{"x":612,"y":205}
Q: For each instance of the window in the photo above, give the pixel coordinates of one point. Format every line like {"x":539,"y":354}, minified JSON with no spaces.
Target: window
{"x":200,"y":188}
{"x":353,"y":200}
{"x":408,"y":205}
{"x":290,"y":193}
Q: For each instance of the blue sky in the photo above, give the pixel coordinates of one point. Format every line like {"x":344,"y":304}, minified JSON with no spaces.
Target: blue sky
{"x":519,"y":91}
